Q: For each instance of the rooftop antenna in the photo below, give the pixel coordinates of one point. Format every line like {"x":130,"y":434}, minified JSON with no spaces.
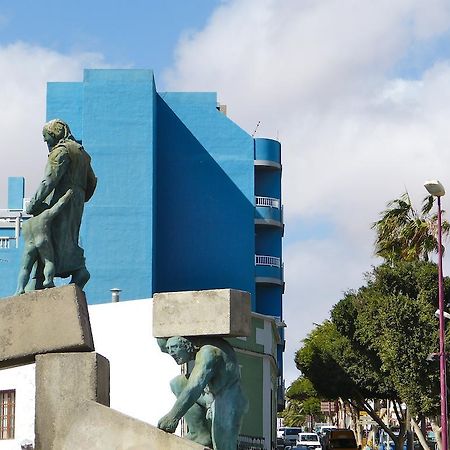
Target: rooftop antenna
{"x":256,"y":128}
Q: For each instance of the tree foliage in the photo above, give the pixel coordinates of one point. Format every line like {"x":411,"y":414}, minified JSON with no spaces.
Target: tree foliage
{"x":303,"y":403}
{"x":405,"y":234}
{"x":377,"y":342}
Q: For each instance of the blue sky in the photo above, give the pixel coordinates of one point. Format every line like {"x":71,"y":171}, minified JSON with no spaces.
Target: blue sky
{"x":138,"y":33}
{"x":357,"y":91}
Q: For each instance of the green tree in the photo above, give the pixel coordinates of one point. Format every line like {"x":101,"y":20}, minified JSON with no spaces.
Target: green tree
{"x":392,"y":316}
{"x":303,"y":403}
{"x":338,"y":369}
{"x":405,"y":234}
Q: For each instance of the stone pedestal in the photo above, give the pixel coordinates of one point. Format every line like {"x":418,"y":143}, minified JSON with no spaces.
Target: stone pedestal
{"x":64,"y":383}
{"x":50,"y":320}
{"x":217,"y":312}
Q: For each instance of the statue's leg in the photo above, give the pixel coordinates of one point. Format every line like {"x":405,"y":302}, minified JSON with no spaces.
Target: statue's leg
{"x":48,"y":257}
{"x":38,"y":276}
{"x":80,"y":277}
{"x":228,"y":411}
{"x":198,"y":425}
{"x":29,"y":258}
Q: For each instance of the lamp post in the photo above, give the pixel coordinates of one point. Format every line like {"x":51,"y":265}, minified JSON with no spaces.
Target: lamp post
{"x":436,"y":189}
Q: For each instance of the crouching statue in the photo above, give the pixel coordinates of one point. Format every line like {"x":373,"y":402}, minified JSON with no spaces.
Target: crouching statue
{"x":210,"y":397}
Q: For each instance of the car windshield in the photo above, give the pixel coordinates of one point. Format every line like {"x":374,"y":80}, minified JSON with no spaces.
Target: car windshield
{"x":343,"y":443}
{"x":292,"y":431}
{"x":309,"y":437}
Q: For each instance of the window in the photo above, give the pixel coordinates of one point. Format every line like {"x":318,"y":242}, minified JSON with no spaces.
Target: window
{"x":7,"y":414}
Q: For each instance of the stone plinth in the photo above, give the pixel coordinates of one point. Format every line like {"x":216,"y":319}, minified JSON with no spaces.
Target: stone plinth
{"x":50,"y":320}
{"x":96,"y":427}
{"x":64,"y":382}
{"x":72,"y":398}
{"x":217,"y":312}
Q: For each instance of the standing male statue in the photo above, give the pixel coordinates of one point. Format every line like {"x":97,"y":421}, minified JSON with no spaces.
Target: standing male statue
{"x":68,"y":169}
{"x":210,"y":398}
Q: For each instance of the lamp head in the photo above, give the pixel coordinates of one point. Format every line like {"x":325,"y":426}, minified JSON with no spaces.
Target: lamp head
{"x":435,"y":188}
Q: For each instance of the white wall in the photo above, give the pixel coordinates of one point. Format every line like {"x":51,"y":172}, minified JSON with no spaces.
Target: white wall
{"x":21,"y":379}
{"x":140,"y":372}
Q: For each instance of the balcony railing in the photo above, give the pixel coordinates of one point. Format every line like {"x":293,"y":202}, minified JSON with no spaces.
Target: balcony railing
{"x":5,"y":242}
{"x":267,"y":201}
{"x":262,"y":260}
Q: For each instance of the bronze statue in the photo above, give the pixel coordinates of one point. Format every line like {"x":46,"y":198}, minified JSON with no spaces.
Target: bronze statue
{"x":210,"y":398}
{"x":38,"y":243}
{"x":68,"y":168}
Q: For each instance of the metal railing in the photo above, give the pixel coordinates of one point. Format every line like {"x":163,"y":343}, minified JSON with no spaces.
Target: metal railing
{"x":262,"y":260}
{"x":251,"y":443}
{"x":5,"y":242}
{"x":267,"y":201}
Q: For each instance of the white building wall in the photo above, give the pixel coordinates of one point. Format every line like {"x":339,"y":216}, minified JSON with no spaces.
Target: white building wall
{"x":140,"y":372}
{"x":22,"y":380}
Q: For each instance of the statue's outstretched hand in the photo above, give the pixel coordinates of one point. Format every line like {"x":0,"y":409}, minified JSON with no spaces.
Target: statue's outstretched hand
{"x":168,"y":423}
{"x":30,"y":207}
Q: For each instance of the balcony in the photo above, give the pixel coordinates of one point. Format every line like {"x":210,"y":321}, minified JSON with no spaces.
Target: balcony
{"x":8,"y":242}
{"x":10,"y":224}
{"x":268,"y":270}
{"x":267,"y":153}
{"x":268,"y":211}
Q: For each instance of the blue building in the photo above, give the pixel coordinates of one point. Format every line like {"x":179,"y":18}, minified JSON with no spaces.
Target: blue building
{"x":186,"y":200}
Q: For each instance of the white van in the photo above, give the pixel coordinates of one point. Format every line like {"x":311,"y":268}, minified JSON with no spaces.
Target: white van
{"x":289,"y":434}
{"x":310,"y":440}
{"x":324,"y":428}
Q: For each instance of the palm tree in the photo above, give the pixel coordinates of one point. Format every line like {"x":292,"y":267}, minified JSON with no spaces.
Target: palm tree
{"x":404,"y":234}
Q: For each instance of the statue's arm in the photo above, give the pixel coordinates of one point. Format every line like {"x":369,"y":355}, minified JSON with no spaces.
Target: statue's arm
{"x":203,"y":371}
{"x":91,"y":184}
{"x":162,"y":344}
{"x":56,"y":208}
{"x":57,"y":165}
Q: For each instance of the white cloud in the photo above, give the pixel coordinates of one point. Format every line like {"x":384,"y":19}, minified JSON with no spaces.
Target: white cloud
{"x":319,"y":75}
{"x":25,"y":71}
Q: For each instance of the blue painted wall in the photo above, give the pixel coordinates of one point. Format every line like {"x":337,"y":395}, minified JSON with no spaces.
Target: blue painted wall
{"x":268,"y":183}
{"x":174,"y":207}
{"x":205,"y":209}
{"x":65,"y":101}
{"x":268,"y":298}
{"x":9,"y":268}
{"x":267,"y":150}
{"x":113,"y":113}
{"x":16,"y":190}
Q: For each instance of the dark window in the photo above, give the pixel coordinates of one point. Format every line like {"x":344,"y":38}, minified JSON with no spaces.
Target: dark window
{"x":7,"y":414}
{"x":343,"y":443}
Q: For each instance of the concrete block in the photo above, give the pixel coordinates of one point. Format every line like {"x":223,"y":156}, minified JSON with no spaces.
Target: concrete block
{"x":64,"y":382}
{"x":49,"y":320}
{"x":217,"y":312}
{"x":96,"y":427}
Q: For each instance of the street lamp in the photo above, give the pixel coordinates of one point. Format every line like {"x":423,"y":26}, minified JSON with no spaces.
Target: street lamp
{"x":436,"y":189}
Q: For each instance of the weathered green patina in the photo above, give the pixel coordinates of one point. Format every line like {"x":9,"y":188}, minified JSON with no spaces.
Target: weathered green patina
{"x":210,"y":398}
{"x":38,"y":243}
{"x":68,"y":168}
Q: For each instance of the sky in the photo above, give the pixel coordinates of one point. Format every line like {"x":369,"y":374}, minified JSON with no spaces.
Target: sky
{"x":357,"y":91}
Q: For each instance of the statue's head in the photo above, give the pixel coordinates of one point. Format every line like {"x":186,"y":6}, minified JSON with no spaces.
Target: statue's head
{"x":181,"y":349}
{"x":55,"y":131}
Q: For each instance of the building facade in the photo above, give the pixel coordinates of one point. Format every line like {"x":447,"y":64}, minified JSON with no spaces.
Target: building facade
{"x":186,"y":199}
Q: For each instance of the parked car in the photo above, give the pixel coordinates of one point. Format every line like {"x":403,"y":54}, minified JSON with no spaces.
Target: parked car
{"x":289,"y":434}
{"x":309,"y":440}
{"x":340,"y":439}
{"x":321,"y":431}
